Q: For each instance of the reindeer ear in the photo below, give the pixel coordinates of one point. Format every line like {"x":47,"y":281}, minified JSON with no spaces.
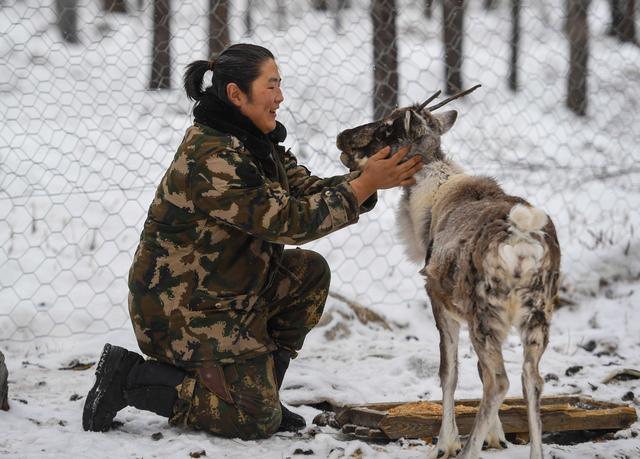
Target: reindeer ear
{"x":445,"y":120}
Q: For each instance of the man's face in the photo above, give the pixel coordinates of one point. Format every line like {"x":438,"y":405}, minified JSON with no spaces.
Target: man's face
{"x":264,"y":99}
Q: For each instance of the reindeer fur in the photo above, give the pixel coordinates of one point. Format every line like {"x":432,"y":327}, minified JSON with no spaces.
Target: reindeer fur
{"x":491,"y":261}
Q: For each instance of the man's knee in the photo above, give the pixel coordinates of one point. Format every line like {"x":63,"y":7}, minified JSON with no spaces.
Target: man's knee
{"x":241,"y":402}
{"x":233,"y":421}
{"x":262,"y":424}
{"x":319,"y":269}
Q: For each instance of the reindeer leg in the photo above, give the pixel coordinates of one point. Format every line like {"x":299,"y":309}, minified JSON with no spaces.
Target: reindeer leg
{"x":448,"y":441}
{"x":495,"y":437}
{"x":535,"y":336}
{"x":495,"y":384}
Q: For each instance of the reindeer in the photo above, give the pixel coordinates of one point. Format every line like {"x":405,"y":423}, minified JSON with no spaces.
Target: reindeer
{"x":491,"y":261}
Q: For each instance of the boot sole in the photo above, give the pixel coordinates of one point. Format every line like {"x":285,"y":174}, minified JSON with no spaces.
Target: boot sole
{"x":94,"y":418}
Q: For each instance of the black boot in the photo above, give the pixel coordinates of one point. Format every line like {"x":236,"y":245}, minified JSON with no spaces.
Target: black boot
{"x":151,"y":386}
{"x":291,"y":422}
{"x":124,"y":378}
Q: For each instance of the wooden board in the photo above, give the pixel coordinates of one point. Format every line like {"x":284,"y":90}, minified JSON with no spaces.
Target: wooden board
{"x":422,"y":419}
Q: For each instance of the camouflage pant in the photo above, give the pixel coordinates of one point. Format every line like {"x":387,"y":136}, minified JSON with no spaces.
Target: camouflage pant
{"x":242,"y":400}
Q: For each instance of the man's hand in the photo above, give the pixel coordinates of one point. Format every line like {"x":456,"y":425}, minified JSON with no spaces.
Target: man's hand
{"x":382,"y":171}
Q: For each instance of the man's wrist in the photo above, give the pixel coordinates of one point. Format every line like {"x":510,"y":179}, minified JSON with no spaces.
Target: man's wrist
{"x":362,"y":188}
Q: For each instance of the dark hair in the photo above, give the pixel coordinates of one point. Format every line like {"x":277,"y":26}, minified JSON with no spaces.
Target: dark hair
{"x":239,"y":64}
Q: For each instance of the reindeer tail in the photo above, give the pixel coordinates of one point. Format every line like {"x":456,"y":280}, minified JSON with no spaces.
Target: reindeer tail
{"x":524,"y":250}
{"x":527,"y":218}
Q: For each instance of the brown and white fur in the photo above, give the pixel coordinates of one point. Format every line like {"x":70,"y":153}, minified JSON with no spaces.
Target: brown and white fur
{"x":491,"y":261}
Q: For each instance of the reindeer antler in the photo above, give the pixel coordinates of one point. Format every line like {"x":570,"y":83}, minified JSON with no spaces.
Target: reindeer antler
{"x":446,"y":101}
{"x":424,"y":104}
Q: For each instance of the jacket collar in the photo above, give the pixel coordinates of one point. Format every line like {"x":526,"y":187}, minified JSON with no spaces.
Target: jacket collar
{"x":223,"y":117}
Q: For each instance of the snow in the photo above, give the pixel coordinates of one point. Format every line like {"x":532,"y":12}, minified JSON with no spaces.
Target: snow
{"x":83,"y":145}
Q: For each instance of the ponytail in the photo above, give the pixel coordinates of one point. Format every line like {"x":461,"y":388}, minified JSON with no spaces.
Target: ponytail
{"x":239,"y":64}
{"x":193,"y":78}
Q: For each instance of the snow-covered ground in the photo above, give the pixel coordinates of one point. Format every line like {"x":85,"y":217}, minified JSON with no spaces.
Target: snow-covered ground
{"x":82,"y":145}
{"x":350,"y":363}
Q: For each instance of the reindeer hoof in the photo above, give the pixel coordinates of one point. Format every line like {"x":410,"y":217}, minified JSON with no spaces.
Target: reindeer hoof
{"x":458,"y":451}
{"x":504,"y":444}
{"x":440,"y":453}
{"x":485,"y":446}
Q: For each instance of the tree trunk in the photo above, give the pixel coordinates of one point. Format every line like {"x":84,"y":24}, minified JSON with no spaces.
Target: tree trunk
{"x":624,"y":27}
{"x":114,"y":6}
{"x":578,"y":33}
{"x":281,"y":14}
{"x":490,"y":4}
{"x":338,"y":7}
{"x":161,"y":52}
{"x":4,"y":385}
{"x":248,"y":19}
{"x":385,"y":57}
{"x":428,"y":9}
{"x":68,"y":20}
{"x":320,"y":5}
{"x":616,"y":17}
{"x":515,"y":44}
{"x":453,"y":15}
{"x":218,"y":26}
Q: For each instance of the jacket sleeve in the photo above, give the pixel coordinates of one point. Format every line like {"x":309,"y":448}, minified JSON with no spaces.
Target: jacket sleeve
{"x":227,"y":185}
{"x":302,"y":183}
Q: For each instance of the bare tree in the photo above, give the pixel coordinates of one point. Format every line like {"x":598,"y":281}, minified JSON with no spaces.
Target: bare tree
{"x":453,"y":15}
{"x":67,"y":13}
{"x":490,"y":4}
{"x":281,"y":15}
{"x":161,"y":50}
{"x":4,"y":384}
{"x":248,"y":18}
{"x":385,"y":57}
{"x":428,"y":8}
{"x":338,"y":6}
{"x":515,"y":43}
{"x":114,"y":6}
{"x":623,"y":14}
{"x":578,"y":33}
{"x":616,"y":17}
{"x":325,"y":5}
{"x":320,"y":5}
{"x":218,"y":26}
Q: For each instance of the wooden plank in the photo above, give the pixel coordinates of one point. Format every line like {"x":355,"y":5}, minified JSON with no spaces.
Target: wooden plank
{"x":555,"y":417}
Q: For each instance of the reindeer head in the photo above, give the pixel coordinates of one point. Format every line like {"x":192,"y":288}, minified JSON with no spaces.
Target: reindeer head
{"x":415,"y":125}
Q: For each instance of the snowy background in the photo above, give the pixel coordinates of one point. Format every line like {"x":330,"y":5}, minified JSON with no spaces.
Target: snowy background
{"x":83,"y":145}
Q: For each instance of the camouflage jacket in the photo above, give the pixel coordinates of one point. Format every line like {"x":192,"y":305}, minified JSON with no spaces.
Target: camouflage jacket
{"x":213,"y":235}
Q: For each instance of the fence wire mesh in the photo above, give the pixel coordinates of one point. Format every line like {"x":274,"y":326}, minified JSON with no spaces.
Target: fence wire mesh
{"x":84,"y":141}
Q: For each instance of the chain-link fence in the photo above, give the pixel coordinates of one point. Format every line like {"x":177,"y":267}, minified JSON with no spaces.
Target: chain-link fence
{"x":83,"y":141}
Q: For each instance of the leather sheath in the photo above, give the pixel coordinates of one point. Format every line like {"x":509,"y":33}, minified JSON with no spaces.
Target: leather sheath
{"x":213,"y":378}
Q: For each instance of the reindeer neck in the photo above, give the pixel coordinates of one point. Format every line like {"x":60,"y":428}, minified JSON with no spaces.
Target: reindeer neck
{"x":429,"y":153}
{"x":438,"y":172}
